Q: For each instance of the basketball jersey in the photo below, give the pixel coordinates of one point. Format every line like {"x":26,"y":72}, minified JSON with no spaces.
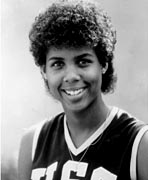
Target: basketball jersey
{"x":108,"y":154}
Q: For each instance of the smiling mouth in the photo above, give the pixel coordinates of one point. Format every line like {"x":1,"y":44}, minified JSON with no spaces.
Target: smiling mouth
{"x":74,"y":92}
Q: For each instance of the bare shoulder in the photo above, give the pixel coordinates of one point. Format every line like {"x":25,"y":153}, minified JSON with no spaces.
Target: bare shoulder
{"x":142,"y":158}
{"x":25,"y":155}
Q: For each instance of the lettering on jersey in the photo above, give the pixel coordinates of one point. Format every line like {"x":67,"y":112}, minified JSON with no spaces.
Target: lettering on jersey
{"x":80,"y":168}
{"x":50,"y":170}
{"x":102,"y":174}
{"x":39,"y":173}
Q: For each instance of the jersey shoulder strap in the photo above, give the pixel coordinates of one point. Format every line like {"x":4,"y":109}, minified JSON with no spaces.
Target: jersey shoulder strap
{"x":41,"y":129}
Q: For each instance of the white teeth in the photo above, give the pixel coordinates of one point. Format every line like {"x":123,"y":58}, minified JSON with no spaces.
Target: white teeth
{"x":74,"y":92}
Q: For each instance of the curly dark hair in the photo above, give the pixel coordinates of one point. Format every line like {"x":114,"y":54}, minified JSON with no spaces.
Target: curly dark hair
{"x":75,"y":24}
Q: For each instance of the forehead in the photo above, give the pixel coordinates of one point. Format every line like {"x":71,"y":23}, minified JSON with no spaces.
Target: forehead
{"x":70,"y":51}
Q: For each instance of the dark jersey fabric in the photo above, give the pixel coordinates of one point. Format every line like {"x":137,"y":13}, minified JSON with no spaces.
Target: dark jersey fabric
{"x":112,"y":151}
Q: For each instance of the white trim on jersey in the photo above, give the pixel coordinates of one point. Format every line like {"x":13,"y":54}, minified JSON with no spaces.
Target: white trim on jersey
{"x":92,"y":138}
{"x":121,"y":111}
{"x":36,"y":136}
{"x":136,"y":143}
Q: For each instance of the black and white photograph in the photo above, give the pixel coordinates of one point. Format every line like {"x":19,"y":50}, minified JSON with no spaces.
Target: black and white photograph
{"x":74,"y":90}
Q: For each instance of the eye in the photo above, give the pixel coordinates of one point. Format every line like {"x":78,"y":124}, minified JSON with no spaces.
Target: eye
{"x":57,"y":64}
{"x":84,"y":62}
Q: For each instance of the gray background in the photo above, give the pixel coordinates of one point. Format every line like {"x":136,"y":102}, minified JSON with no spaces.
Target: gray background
{"x":24,"y":100}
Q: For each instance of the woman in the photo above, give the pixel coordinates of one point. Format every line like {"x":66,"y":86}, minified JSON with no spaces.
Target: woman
{"x":73,"y":43}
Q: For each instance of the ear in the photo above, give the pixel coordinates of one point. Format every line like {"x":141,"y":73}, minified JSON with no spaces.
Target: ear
{"x":104,"y":69}
{"x":43,"y":71}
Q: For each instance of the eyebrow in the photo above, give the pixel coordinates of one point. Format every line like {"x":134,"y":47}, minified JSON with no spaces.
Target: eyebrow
{"x":55,"y":58}
{"x":83,"y":55}
{"x":77,"y":57}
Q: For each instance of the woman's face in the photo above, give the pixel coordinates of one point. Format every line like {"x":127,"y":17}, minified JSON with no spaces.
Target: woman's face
{"x":74,"y":77}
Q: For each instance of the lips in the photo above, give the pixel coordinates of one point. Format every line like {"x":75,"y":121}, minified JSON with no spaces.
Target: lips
{"x":74,"y":92}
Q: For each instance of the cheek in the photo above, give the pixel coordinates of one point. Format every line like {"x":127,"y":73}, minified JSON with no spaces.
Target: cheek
{"x":94,"y":77}
{"x":53,"y":83}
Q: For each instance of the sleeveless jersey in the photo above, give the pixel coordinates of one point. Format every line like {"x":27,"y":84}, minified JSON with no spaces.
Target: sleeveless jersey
{"x":110,"y":155}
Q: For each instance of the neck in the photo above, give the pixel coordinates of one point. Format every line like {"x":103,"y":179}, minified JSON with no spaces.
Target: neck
{"x":83,"y":124}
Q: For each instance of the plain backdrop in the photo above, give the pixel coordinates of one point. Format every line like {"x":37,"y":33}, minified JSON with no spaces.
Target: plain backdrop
{"x":24,"y":99}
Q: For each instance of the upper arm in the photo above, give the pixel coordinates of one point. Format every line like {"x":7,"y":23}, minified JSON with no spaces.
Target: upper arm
{"x":142,"y":158}
{"x":25,"y":156}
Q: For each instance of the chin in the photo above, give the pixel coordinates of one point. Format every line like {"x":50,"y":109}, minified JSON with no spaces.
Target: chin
{"x":77,"y":107}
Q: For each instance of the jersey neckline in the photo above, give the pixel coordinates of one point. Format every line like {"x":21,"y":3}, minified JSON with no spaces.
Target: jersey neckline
{"x":75,"y":151}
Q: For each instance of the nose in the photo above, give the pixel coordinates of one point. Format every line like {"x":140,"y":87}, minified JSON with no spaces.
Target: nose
{"x":71,"y":75}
